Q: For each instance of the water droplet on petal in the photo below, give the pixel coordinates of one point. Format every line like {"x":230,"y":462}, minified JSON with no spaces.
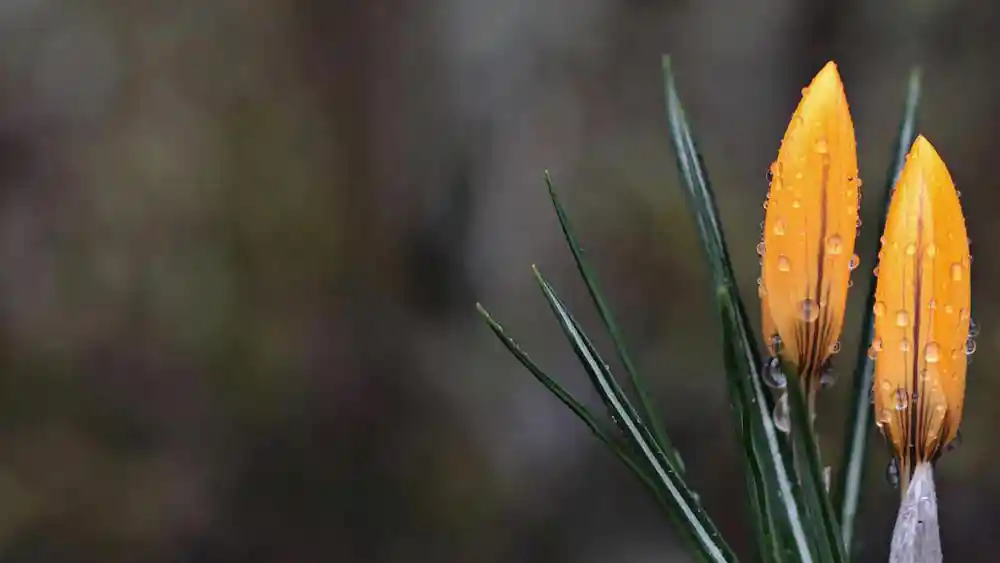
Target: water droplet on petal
{"x":879,"y":308}
{"x":932,"y":352}
{"x":886,"y":386}
{"x":902,"y":399}
{"x":796,"y":203}
{"x":760,"y":248}
{"x":822,"y":147}
{"x":835,"y":347}
{"x":956,"y":272}
{"x":877,"y":345}
{"x":931,"y":251}
{"x":963,"y":313}
{"x":764,"y":205}
{"x":808,"y":310}
{"x":904,"y":345}
{"x":911,"y":249}
{"x":779,"y":226}
{"x":970,"y":347}
{"x":784,"y":264}
{"x":902,"y":317}
{"x":834,"y":245}
{"x":973,"y":328}
{"x":761,"y":291}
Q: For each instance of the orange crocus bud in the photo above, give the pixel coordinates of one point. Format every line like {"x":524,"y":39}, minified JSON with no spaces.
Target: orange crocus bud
{"x":922,"y":302}
{"x":809,"y":230}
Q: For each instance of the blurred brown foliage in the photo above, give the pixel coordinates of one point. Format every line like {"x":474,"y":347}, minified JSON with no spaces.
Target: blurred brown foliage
{"x":240,"y":244}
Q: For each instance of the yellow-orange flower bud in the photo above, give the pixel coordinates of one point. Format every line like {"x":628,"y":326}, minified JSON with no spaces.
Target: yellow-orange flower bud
{"x":921,"y":312}
{"x":809,"y":229}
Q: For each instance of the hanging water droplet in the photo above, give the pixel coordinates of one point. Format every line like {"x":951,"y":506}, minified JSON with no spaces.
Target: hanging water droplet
{"x":760,"y":248}
{"x":875,"y":271}
{"x":776,"y":343}
{"x":780,"y":416}
{"x":872,"y":353}
{"x":970,"y":347}
{"x":902,"y":317}
{"x":827,"y":378}
{"x":956,"y":272}
{"x":764,"y":205}
{"x":808,"y":310}
{"x":892,"y":473}
{"x":772,"y":376}
{"x":932,"y":352}
{"x":902,"y":399}
{"x":879,"y":308}
{"x":850,"y":283}
{"x":973,"y":328}
{"x":835,"y":347}
{"x":779,"y":226}
{"x":855,"y":260}
{"x":784,"y":264}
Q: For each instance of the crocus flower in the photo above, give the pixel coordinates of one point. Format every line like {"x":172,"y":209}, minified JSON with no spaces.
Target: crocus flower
{"x":921,"y":339}
{"x":811,"y":222}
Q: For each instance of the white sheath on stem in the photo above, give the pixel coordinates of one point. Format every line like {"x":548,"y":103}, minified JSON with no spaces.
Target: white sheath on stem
{"x":916,"y":538}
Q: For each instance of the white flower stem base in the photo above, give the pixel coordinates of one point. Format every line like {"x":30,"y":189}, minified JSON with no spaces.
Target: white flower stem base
{"x":916,"y":537}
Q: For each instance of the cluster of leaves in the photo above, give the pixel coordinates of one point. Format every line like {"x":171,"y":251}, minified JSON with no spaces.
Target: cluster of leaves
{"x":795,"y":519}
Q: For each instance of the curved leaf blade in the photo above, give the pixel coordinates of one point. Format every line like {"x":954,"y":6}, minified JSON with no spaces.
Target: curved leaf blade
{"x":693,"y":519}
{"x":647,"y":411}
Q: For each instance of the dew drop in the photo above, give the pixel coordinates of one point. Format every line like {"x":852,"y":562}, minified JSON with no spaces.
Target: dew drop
{"x":877,"y":345}
{"x":931,"y":250}
{"x":834,"y":245}
{"x":822,"y":147}
{"x":796,"y":203}
{"x":872,"y":353}
{"x":781,"y":419}
{"x":804,"y":92}
{"x":902,"y":399}
{"x":892,"y":473}
{"x":835,"y":347}
{"x":879,"y":308}
{"x":956,"y":272}
{"x":911,"y":249}
{"x":875,"y":271}
{"x":932,"y":352}
{"x":798,"y":175}
{"x":963,"y":313}
{"x":949,"y":309}
{"x":779,"y":227}
{"x":970,"y":347}
{"x":760,"y":248}
{"x":764,"y":205}
{"x":772,"y":376}
{"x":808,"y":310}
{"x":855,"y":260}
{"x":973,"y":328}
{"x":904,"y":345}
{"x":902,"y":317}
{"x":784,"y":264}
{"x":886,"y":386}
{"x":932,"y":304}
{"x":761,"y":291}
{"x":776,"y":343}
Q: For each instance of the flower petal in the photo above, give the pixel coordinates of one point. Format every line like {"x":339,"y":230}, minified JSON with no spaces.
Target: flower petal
{"x":810,"y":226}
{"x":922,"y":311}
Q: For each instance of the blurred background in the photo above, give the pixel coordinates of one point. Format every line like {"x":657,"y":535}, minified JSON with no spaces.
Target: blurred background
{"x":241,"y":244}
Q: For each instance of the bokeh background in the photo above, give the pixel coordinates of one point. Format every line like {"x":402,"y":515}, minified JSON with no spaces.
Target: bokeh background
{"x":241,"y":244}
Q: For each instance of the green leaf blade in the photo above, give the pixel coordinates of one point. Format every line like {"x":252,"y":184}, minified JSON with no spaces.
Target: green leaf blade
{"x":598,"y":428}
{"x":752,"y":405}
{"x":647,"y":410}
{"x":687,"y":510}
{"x":848,"y":489}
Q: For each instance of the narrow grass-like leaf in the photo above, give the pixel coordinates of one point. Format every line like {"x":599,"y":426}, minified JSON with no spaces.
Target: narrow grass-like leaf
{"x":599,"y":428}
{"x":760,"y":438}
{"x":695,"y":522}
{"x":646,"y":409}
{"x":859,"y":429}
{"x":811,"y":472}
